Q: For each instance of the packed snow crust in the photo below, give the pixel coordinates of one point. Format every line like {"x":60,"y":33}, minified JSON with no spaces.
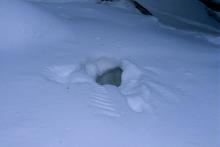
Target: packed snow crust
{"x":51,"y":52}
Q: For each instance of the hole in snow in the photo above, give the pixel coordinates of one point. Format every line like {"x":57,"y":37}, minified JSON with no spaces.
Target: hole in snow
{"x":105,"y":70}
{"x":110,"y":77}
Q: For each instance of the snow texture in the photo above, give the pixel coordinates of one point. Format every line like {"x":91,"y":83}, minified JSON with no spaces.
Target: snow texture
{"x":175,"y":14}
{"x":132,"y":87}
{"x":51,"y":52}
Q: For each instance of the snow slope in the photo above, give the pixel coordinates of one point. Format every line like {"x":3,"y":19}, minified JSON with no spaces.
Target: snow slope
{"x":50,"y":54}
{"x":184,"y":14}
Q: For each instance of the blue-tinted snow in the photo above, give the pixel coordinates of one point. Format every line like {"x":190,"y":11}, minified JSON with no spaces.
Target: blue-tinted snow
{"x":179,"y":71}
{"x":185,"y":14}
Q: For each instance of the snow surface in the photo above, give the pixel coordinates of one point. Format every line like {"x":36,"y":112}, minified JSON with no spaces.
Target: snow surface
{"x":184,"y":14}
{"x":51,"y":52}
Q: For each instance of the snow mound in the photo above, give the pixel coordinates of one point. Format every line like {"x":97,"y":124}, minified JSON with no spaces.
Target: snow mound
{"x":136,"y":92}
{"x":59,"y":74}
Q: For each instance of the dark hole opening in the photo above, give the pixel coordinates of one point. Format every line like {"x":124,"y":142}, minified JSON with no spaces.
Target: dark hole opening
{"x":110,"y":77}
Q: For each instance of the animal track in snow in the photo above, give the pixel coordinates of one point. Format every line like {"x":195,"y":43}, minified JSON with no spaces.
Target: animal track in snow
{"x":102,"y":103}
{"x":141,"y":88}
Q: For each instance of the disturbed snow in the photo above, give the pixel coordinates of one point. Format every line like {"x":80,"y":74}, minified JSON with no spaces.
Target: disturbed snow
{"x":50,"y":54}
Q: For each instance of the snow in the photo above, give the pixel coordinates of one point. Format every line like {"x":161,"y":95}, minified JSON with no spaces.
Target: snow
{"x":132,"y":87}
{"x":174,"y":13}
{"x":214,"y":40}
{"x":50,"y":54}
{"x":99,"y":66}
{"x":21,"y":24}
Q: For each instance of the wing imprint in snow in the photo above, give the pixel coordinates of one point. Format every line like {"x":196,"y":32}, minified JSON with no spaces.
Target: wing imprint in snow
{"x":101,"y":102}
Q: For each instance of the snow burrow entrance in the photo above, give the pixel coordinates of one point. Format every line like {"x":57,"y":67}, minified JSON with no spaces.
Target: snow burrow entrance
{"x":127,"y":76}
{"x":110,"y":77}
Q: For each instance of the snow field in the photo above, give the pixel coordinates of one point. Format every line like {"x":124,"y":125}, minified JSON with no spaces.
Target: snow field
{"x":48,"y":93}
{"x":22,"y":24}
